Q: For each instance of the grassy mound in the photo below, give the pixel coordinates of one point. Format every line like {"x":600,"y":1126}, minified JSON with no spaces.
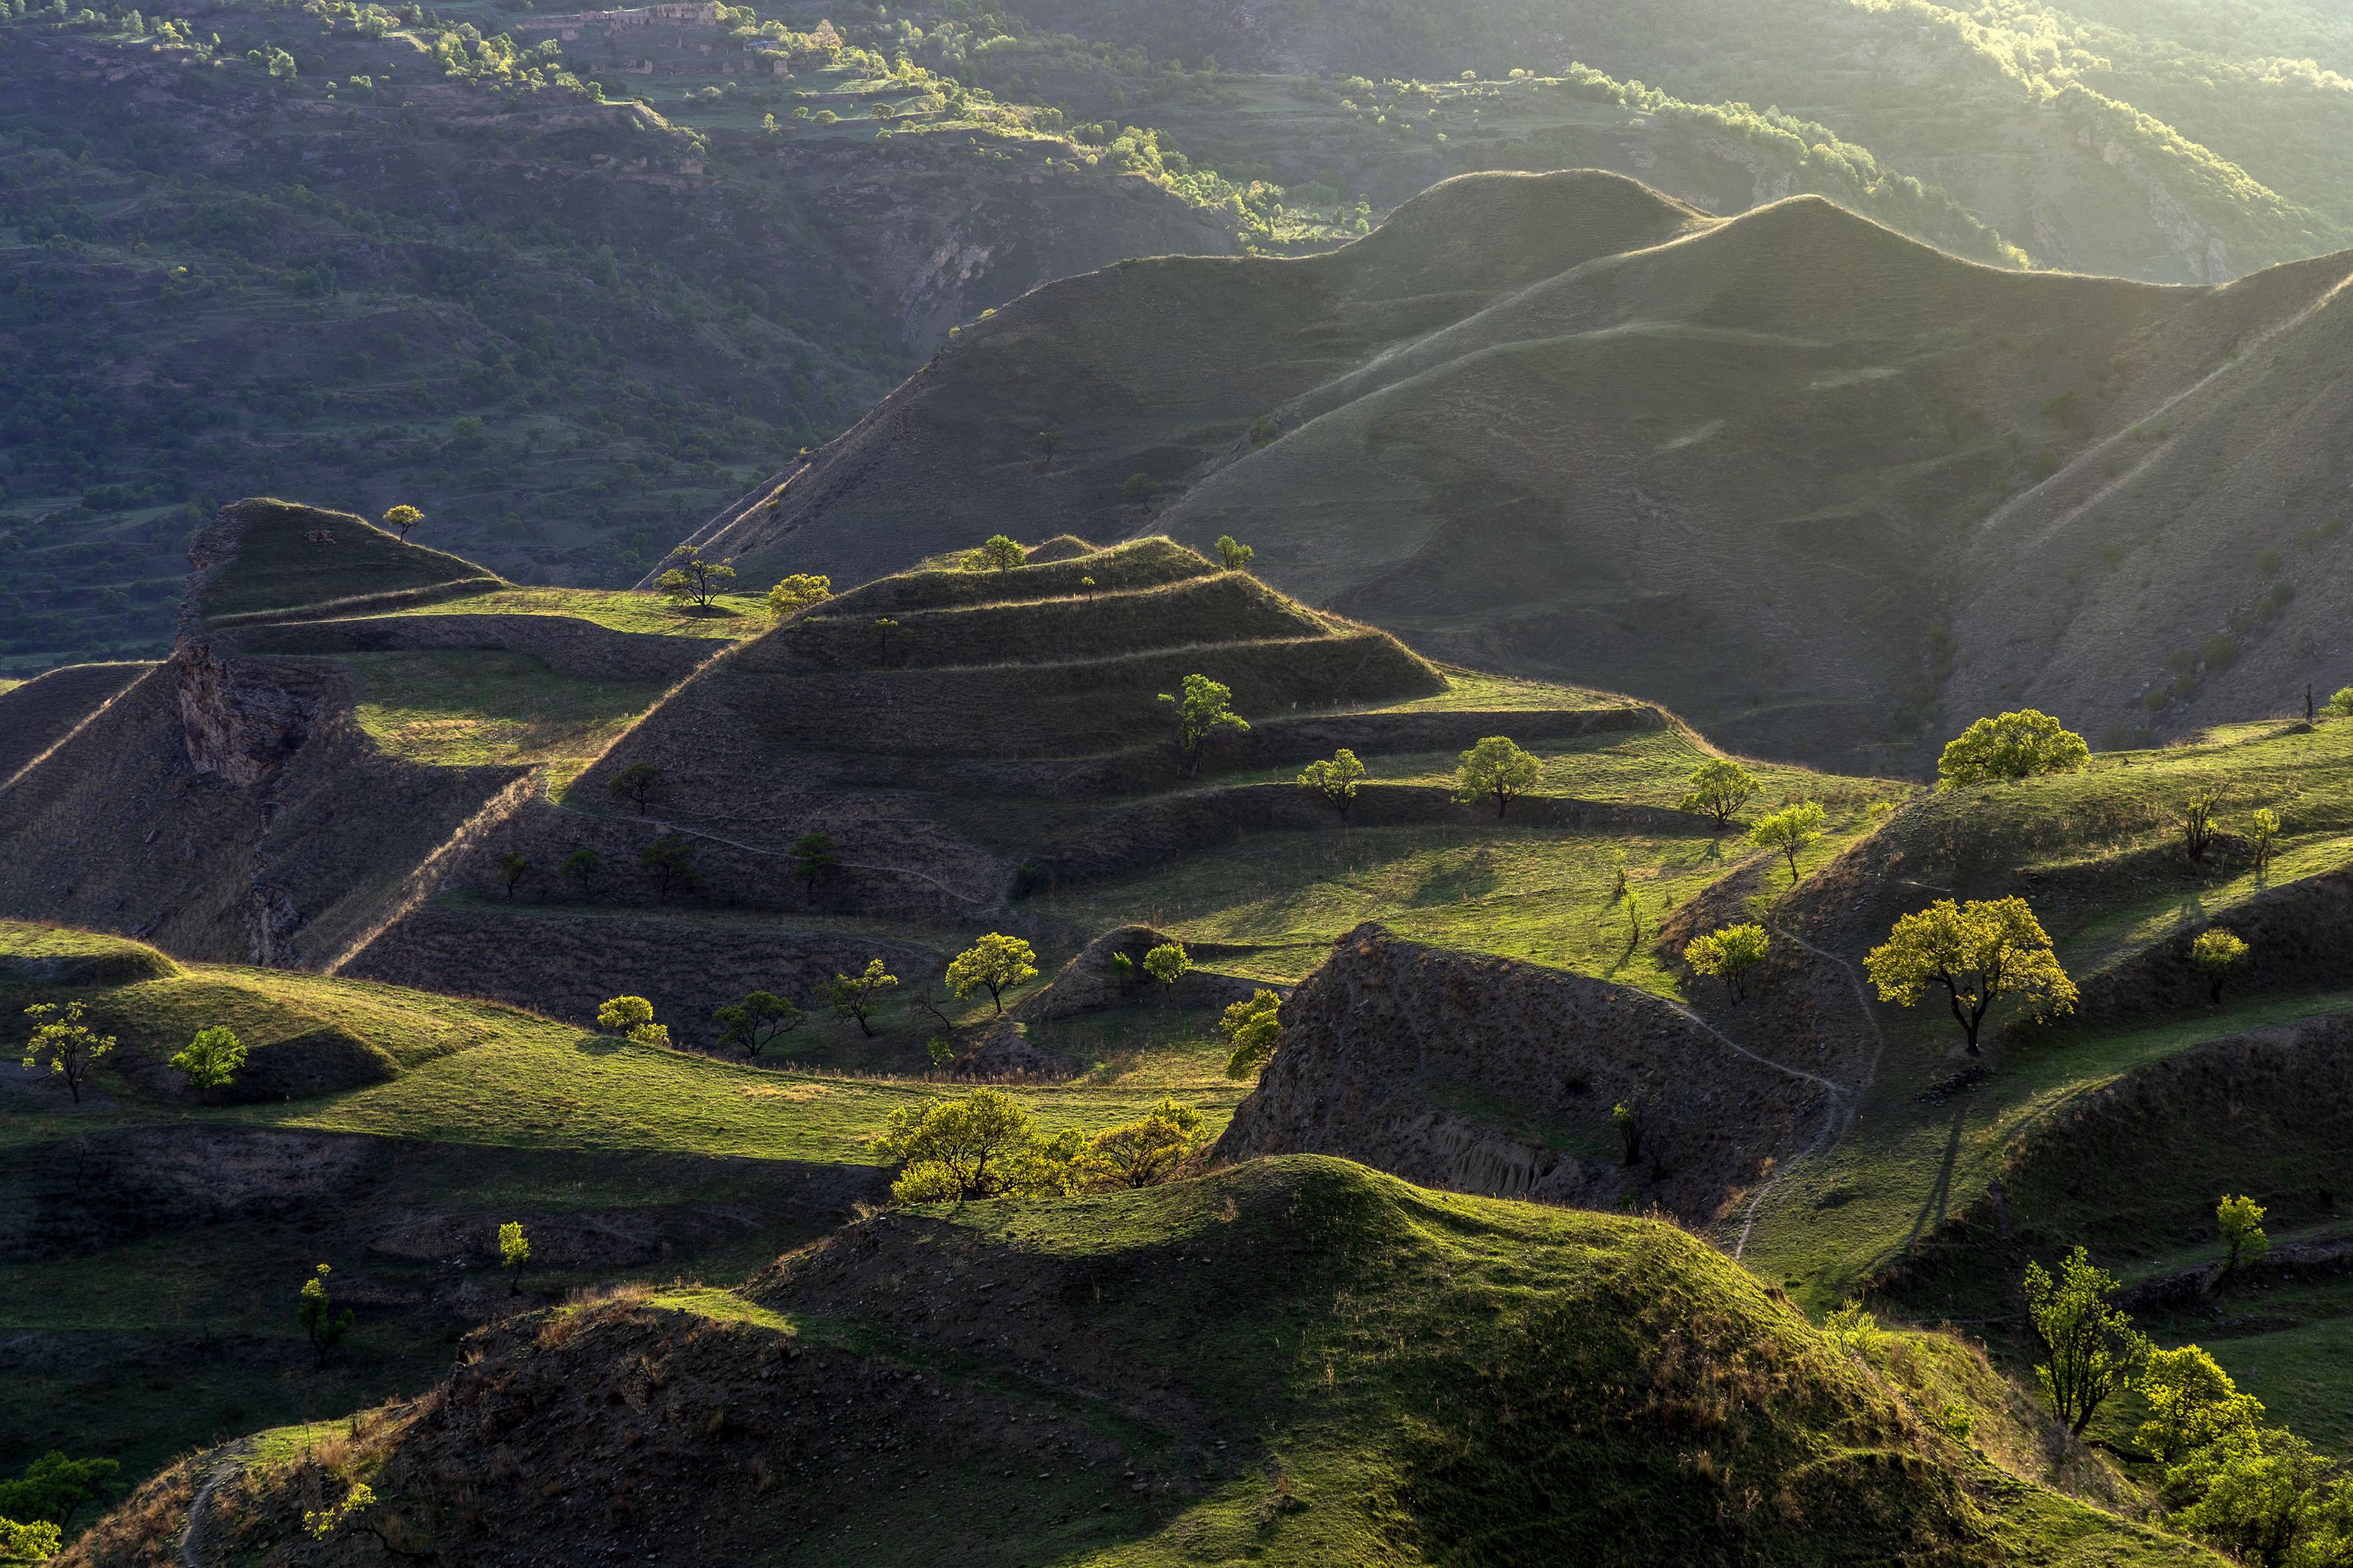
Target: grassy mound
{"x":264,"y":557}
{"x":1298,"y":1361}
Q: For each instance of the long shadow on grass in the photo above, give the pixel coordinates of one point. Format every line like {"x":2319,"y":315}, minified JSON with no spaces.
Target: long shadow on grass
{"x":1931,"y":1210}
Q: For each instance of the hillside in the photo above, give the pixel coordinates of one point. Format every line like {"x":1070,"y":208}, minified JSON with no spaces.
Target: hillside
{"x":1803,"y":480}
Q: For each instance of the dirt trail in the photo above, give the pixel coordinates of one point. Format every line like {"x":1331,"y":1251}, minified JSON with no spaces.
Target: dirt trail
{"x":226,"y":1463}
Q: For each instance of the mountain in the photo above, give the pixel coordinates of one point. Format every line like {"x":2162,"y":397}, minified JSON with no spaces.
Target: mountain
{"x":1811,"y":483}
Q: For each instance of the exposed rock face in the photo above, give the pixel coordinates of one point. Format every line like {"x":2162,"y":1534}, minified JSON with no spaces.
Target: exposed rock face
{"x":1490,"y":1076}
{"x":245,"y":720}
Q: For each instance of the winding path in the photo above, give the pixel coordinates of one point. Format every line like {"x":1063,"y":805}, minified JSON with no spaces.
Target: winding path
{"x":226,"y":1463}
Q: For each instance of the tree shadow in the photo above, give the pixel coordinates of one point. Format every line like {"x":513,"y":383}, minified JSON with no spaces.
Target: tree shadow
{"x":600,"y":1045}
{"x":1932,"y":1208}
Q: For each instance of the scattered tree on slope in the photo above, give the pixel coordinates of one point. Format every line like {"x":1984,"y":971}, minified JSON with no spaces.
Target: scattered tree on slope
{"x":1496,"y":769}
{"x":1205,"y":709}
{"x":1978,"y":951}
{"x":996,"y":964}
{"x":2012,"y":746}
{"x":1718,"y":788}
{"x":1334,"y":778}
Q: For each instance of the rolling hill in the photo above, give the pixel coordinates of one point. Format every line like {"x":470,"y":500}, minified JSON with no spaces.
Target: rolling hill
{"x":1824,"y":490}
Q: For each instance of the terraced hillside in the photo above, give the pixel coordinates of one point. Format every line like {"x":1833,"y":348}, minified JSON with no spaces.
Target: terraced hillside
{"x":1808,"y":483}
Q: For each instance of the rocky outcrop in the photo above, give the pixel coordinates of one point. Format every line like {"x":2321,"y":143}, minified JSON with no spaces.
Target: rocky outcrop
{"x":1492,"y":1076}
{"x":245,"y":720}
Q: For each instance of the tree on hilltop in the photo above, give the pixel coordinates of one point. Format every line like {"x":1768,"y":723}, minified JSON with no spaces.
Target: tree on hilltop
{"x":1497,"y":769}
{"x":1334,"y":778}
{"x":997,"y":552}
{"x":635,"y":786}
{"x":1236,"y":556}
{"x":798,"y":592}
{"x":692,"y":579}
{"x":996,"y":964}
{"x":2012,"y":746}
{"x":1205,"y":709}
{"x":1978,"y":953}
{"x":403,"y":518}
{"x":1718,"y":788}
{"x":856,"y":997}
{"x":756,"y":1022}
{"x":1727,"y":954}
{"x":1789,"y":830}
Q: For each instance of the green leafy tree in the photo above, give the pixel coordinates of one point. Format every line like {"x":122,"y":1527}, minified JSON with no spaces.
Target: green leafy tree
{"x":2191,"y":1403}
{"x":2216,"y":951}
{"x":403,"y":518}
{"x":1253,"y":1027}
{"x":2197,"y":821}
{"x":1728,"y":954}
{"x":636,"y":785}
{"x":1719,"y":788}
{"x":514,"y":1251}
{"x":212,"y":1059}
{"x":2259,"y":1494}
{"x":856,"y":997}
{"x":1145,"y":1152}
{"x":2012,"y":746}
{"x":1167,"y":962}
{"x":579,"y":869}
{"x":982,"y":1146}
{"x":996,"y":964}
{"x":1979,"y":953}
{"x":63,"y":1043}
{"x":801,"y":590}
{"x":53,"y":1489}
{"x":883,"y":627}
{"x":2239,"y":1223}
{"x":756,"y":1022}
{"x":2263,"y":837}
{"x":1046,"y":443}
{"x":812,"y":854}
{"x":2341,"y":704}
{"x":669,"y":861}
{"x":33,"y":1540}
{"x":1236,"y":555}
{"x":694,"y":579}
{"x":513,"y":867}
{"x":633,"y":1018}
{"x":997,"y":552}
{"x":1336,"y":778}
{"x":1789,"y":830}
{"x":1204,"y":709}
{"x":320,"y":1321}
{"x":1497,"y":770}
{"x":2090,"y":1349}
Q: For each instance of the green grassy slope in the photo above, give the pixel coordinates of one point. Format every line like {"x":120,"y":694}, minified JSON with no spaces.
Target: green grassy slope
{"x":279,"y":559}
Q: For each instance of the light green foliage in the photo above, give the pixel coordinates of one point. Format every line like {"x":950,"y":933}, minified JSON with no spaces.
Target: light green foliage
{"x":1122,"y":968}
{"x":1858,"y":1331}
{"x":2239,"y":1222}
{"x":2215,"y":951}
{"x":1728,"y":954}
{"x":1496,"y":769}
{"x":692,"y":578}
{"x":1145,"y":1152}
{"x":635,"y":786}
{"x":63,"y":1043}
{"x":983,"y":1145}
{"x":1205,"y":709}
{"x":1334,"y":778}
{"x":798,"y":592}
{"x":1790,"y":830}
{"x":324,"y":1524}
{"x":36,"y":1542}
{"x":2264,"y":1495}
{"x":2012,"y":746}
{"x":514,"y":1251}
{"x":857,"y":996}
{"x":1235,"y":555}
{"x":812,"y":854}
{"x":997,"y":552}
{"x":2263,"y":836}
{"x":996,"y":964}
{"x":754,"y":1024}
{"x":2340,"y":703}
{"x":1719,"y":788}
{"x":2191,"y":1403}
{"x":403,"y":518}
{"x":1167,"y":962}
{"x":316,"y":1312}
{"x":2090,"y":1349}
{"x":2198,"y":820}
{"x":1977,"y":953}
{"x":1253,"y":1027}
{"x":633,"y":1018}
{"x":212,"y":1058}
{"x":53,"y":1489}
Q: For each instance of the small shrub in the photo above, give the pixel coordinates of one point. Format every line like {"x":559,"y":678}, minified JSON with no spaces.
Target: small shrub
{"x":1167,"y":962}
{"x":212,"y":1059}
{"x":2215,"y":952}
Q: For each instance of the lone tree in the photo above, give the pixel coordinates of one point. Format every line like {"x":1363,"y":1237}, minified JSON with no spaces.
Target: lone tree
{"x":636,"y":785}
{"x":514,"y":1251}
{"x":1727,"y":954}
{"x":694,"y":579}
{"x":1252,"y":1028}
{"x":1168,"y":962}
{"x":1047,"y":442}
{"x":812,"y":856}
{"x":1336,"y":778}
{"x":981,"y":1146}
{"x":2215,"y":951}
{"x":324,"y":1325}
{"x":2197,"y":821}
{"x":997,"y":552}
{"x":756,"y":1022}
{"x":1978,"y":951}
{"x":1205,"y":709}
{"x":669,"y":861}
{"x":1236,"y":555}
{"x":64,"y":1043}
{"x":2090,"y":1349}
{"x":579,"y":869}
{"x":1719,"y":788}
{"x":1789,"y":830}
{"x":2239,"y":1223}
{"x":212,"y":1058}
{"x":799,"y":592}
{"x":996,"y":964}
{"x":1145,"y":1152}
{"x":2263,"y":837}
{"x":403,"y":518}
{"x":633,"y":1018}
{"x":883,"y":627}
{"x":856,"y":997}
{"x":1496,"y":769}
{"x":2012,"y":746}
{"x":512,"y":868}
